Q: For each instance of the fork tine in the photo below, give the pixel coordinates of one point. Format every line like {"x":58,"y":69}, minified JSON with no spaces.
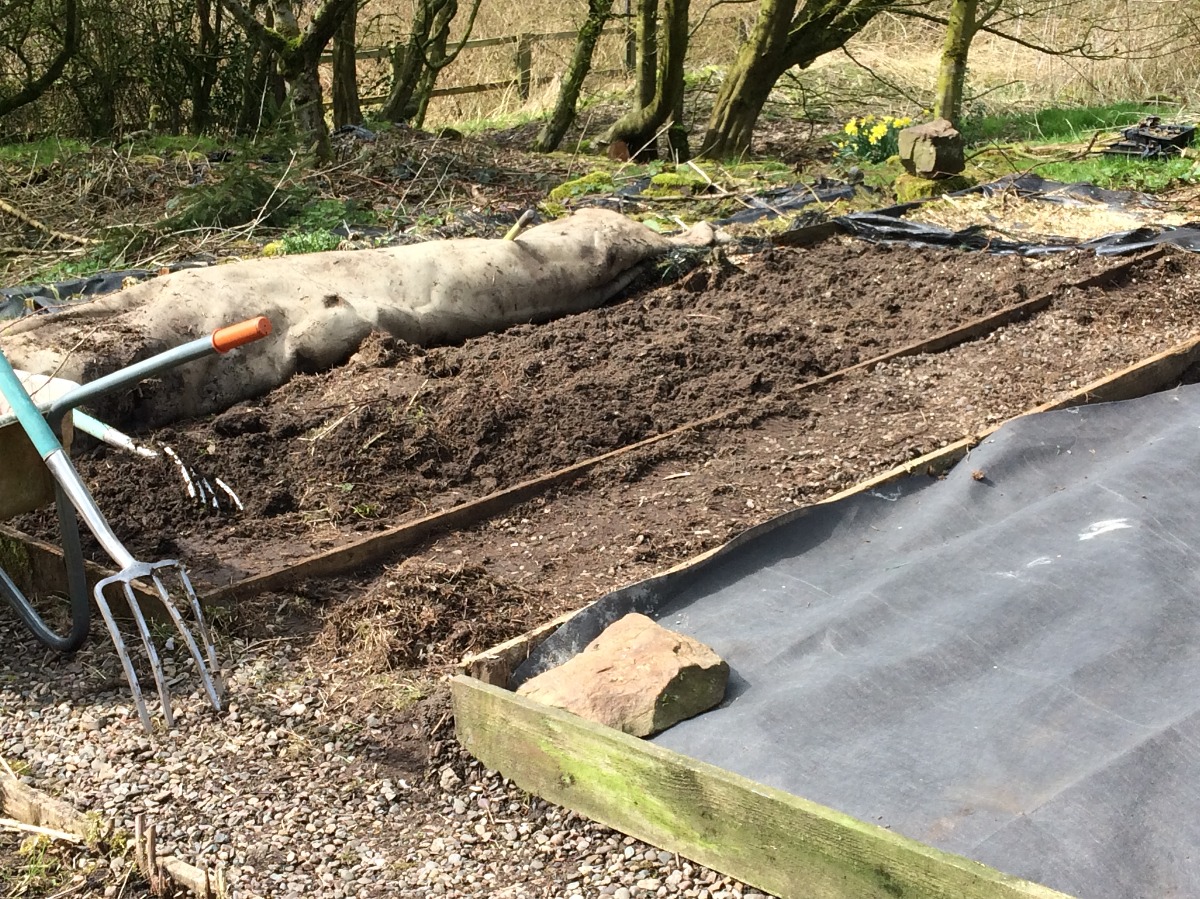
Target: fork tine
{"x":205,"y":635}
{"x":160,"y":676}
{"x":206,"y":677}
{"x":122,"y":653}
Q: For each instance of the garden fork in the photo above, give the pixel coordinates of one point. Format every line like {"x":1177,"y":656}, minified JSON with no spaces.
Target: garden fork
{"x":150,"y":578}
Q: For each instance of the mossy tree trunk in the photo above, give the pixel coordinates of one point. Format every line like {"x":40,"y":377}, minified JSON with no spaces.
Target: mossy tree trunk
{"x":638,"y":128}
{"x":563,"y":115}
{"x":784,"y":35}
{"x":346,"y":108}
{"x":646,"y":36}
{"x":952,"y":73}
{"x":298,"y":53}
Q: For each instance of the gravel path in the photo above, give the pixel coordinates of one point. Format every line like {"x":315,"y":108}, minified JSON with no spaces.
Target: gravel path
{"x":317,"y":783}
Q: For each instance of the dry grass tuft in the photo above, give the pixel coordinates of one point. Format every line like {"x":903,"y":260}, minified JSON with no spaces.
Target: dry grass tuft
{"x":431,"y":615}
{"x":1031,"y":220}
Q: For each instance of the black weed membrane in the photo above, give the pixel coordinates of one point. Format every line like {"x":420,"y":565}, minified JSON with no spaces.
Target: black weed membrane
{"x":1001,"y":663}
{"x":888,"y":225}
{"x":28,"y":299}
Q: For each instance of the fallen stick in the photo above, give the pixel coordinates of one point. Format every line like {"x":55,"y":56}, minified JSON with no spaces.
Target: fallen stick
{"x":60,"y":836}
{"x":29,"y":220}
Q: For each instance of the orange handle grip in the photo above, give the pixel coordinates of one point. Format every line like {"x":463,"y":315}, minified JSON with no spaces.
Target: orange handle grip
{"x":233,"y":336}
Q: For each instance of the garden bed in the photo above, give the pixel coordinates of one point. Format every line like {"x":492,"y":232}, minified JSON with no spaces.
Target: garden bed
{"x":329,"y":673}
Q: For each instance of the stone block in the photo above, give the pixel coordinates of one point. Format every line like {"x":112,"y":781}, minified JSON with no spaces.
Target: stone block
{"x":932,"y":150}
{"x":637,"y":677}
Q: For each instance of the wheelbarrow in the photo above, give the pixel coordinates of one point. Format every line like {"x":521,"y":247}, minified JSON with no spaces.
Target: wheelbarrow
{"x":36,"y":421}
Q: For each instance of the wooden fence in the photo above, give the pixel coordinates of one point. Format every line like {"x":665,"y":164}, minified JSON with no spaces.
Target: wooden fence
{"x":522,"y":80}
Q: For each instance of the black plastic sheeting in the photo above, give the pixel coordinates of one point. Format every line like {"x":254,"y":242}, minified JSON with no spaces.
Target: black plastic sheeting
{"x":1003,"y":664}
{"x":1075,"y":193}
{"x":884,"y":228}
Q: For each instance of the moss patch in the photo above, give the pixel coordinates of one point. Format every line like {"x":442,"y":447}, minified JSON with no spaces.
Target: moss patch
{"x":674,"y":184}
{"x":14,"y":559}
{"x":911,"y":187}
{"x":591,"y":183}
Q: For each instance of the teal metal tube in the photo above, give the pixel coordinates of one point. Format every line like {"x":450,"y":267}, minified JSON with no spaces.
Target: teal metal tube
{"x":40,"y":433}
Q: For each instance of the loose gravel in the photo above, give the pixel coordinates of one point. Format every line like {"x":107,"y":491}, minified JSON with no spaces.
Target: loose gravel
{"x":316,"y":783}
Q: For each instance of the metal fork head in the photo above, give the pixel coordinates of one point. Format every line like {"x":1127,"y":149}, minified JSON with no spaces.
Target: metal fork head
{"x":154,"y":578}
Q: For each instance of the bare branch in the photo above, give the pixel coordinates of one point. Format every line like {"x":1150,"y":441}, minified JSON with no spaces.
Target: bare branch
{"x":255,"y":28}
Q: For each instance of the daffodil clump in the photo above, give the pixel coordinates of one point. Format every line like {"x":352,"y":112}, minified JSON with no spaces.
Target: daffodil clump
{"x":871,"y":138}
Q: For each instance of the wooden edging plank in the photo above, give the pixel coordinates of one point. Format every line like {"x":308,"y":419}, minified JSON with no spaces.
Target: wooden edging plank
{"x":38,"y":566}
{"x":766,"y":837}
{"x":27,"y":805}
{"x":984,"y":325}
{"x":369,"y":549}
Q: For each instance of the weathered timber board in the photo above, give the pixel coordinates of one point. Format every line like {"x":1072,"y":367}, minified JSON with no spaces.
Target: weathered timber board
{"x":766,"y":837}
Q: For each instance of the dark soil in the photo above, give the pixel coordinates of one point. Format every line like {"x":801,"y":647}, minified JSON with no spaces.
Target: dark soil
{"x":401,"y":432}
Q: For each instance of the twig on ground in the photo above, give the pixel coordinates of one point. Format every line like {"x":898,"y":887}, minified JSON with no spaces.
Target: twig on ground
{"x":29,"y":220}
{"x":60,"y":836}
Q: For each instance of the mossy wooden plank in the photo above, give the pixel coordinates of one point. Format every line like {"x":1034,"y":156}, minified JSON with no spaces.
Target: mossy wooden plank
{"x":381,"y":546}
{"x":763,"y":836}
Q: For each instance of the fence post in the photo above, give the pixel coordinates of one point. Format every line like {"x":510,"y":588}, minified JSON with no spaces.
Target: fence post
{"x":524,"y":65}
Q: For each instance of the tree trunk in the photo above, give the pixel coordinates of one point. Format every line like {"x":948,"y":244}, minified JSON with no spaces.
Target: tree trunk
{"x":647,"y":51}
{"x":33,"y":88}
{"x":416,"y":66}
{"x":952,"y":74}
{"x":638,"y":128}
{"x":204,"y":69}
{"x":563,"y":114}
{"x":346,"y":109}
{"x":308,"y":106}
{"x":760,"y":62}
{"x":299,"y":53}
{"x":781,"y":39}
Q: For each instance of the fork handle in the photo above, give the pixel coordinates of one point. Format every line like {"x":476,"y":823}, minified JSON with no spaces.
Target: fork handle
{"x":40,"y":433}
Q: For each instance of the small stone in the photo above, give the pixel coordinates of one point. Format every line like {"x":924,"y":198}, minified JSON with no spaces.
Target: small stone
{"x":449,"y":779}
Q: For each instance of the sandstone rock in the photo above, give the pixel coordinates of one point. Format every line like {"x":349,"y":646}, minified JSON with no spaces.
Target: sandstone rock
{"x":637,"y":677}
{"x":932,"y":150}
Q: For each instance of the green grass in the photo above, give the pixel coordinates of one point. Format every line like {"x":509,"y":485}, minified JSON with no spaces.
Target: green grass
{"x":296,"y":242}
{"x":41,"y":152}
{"x":1149,"y":175}
{"x":1057,"y":125}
